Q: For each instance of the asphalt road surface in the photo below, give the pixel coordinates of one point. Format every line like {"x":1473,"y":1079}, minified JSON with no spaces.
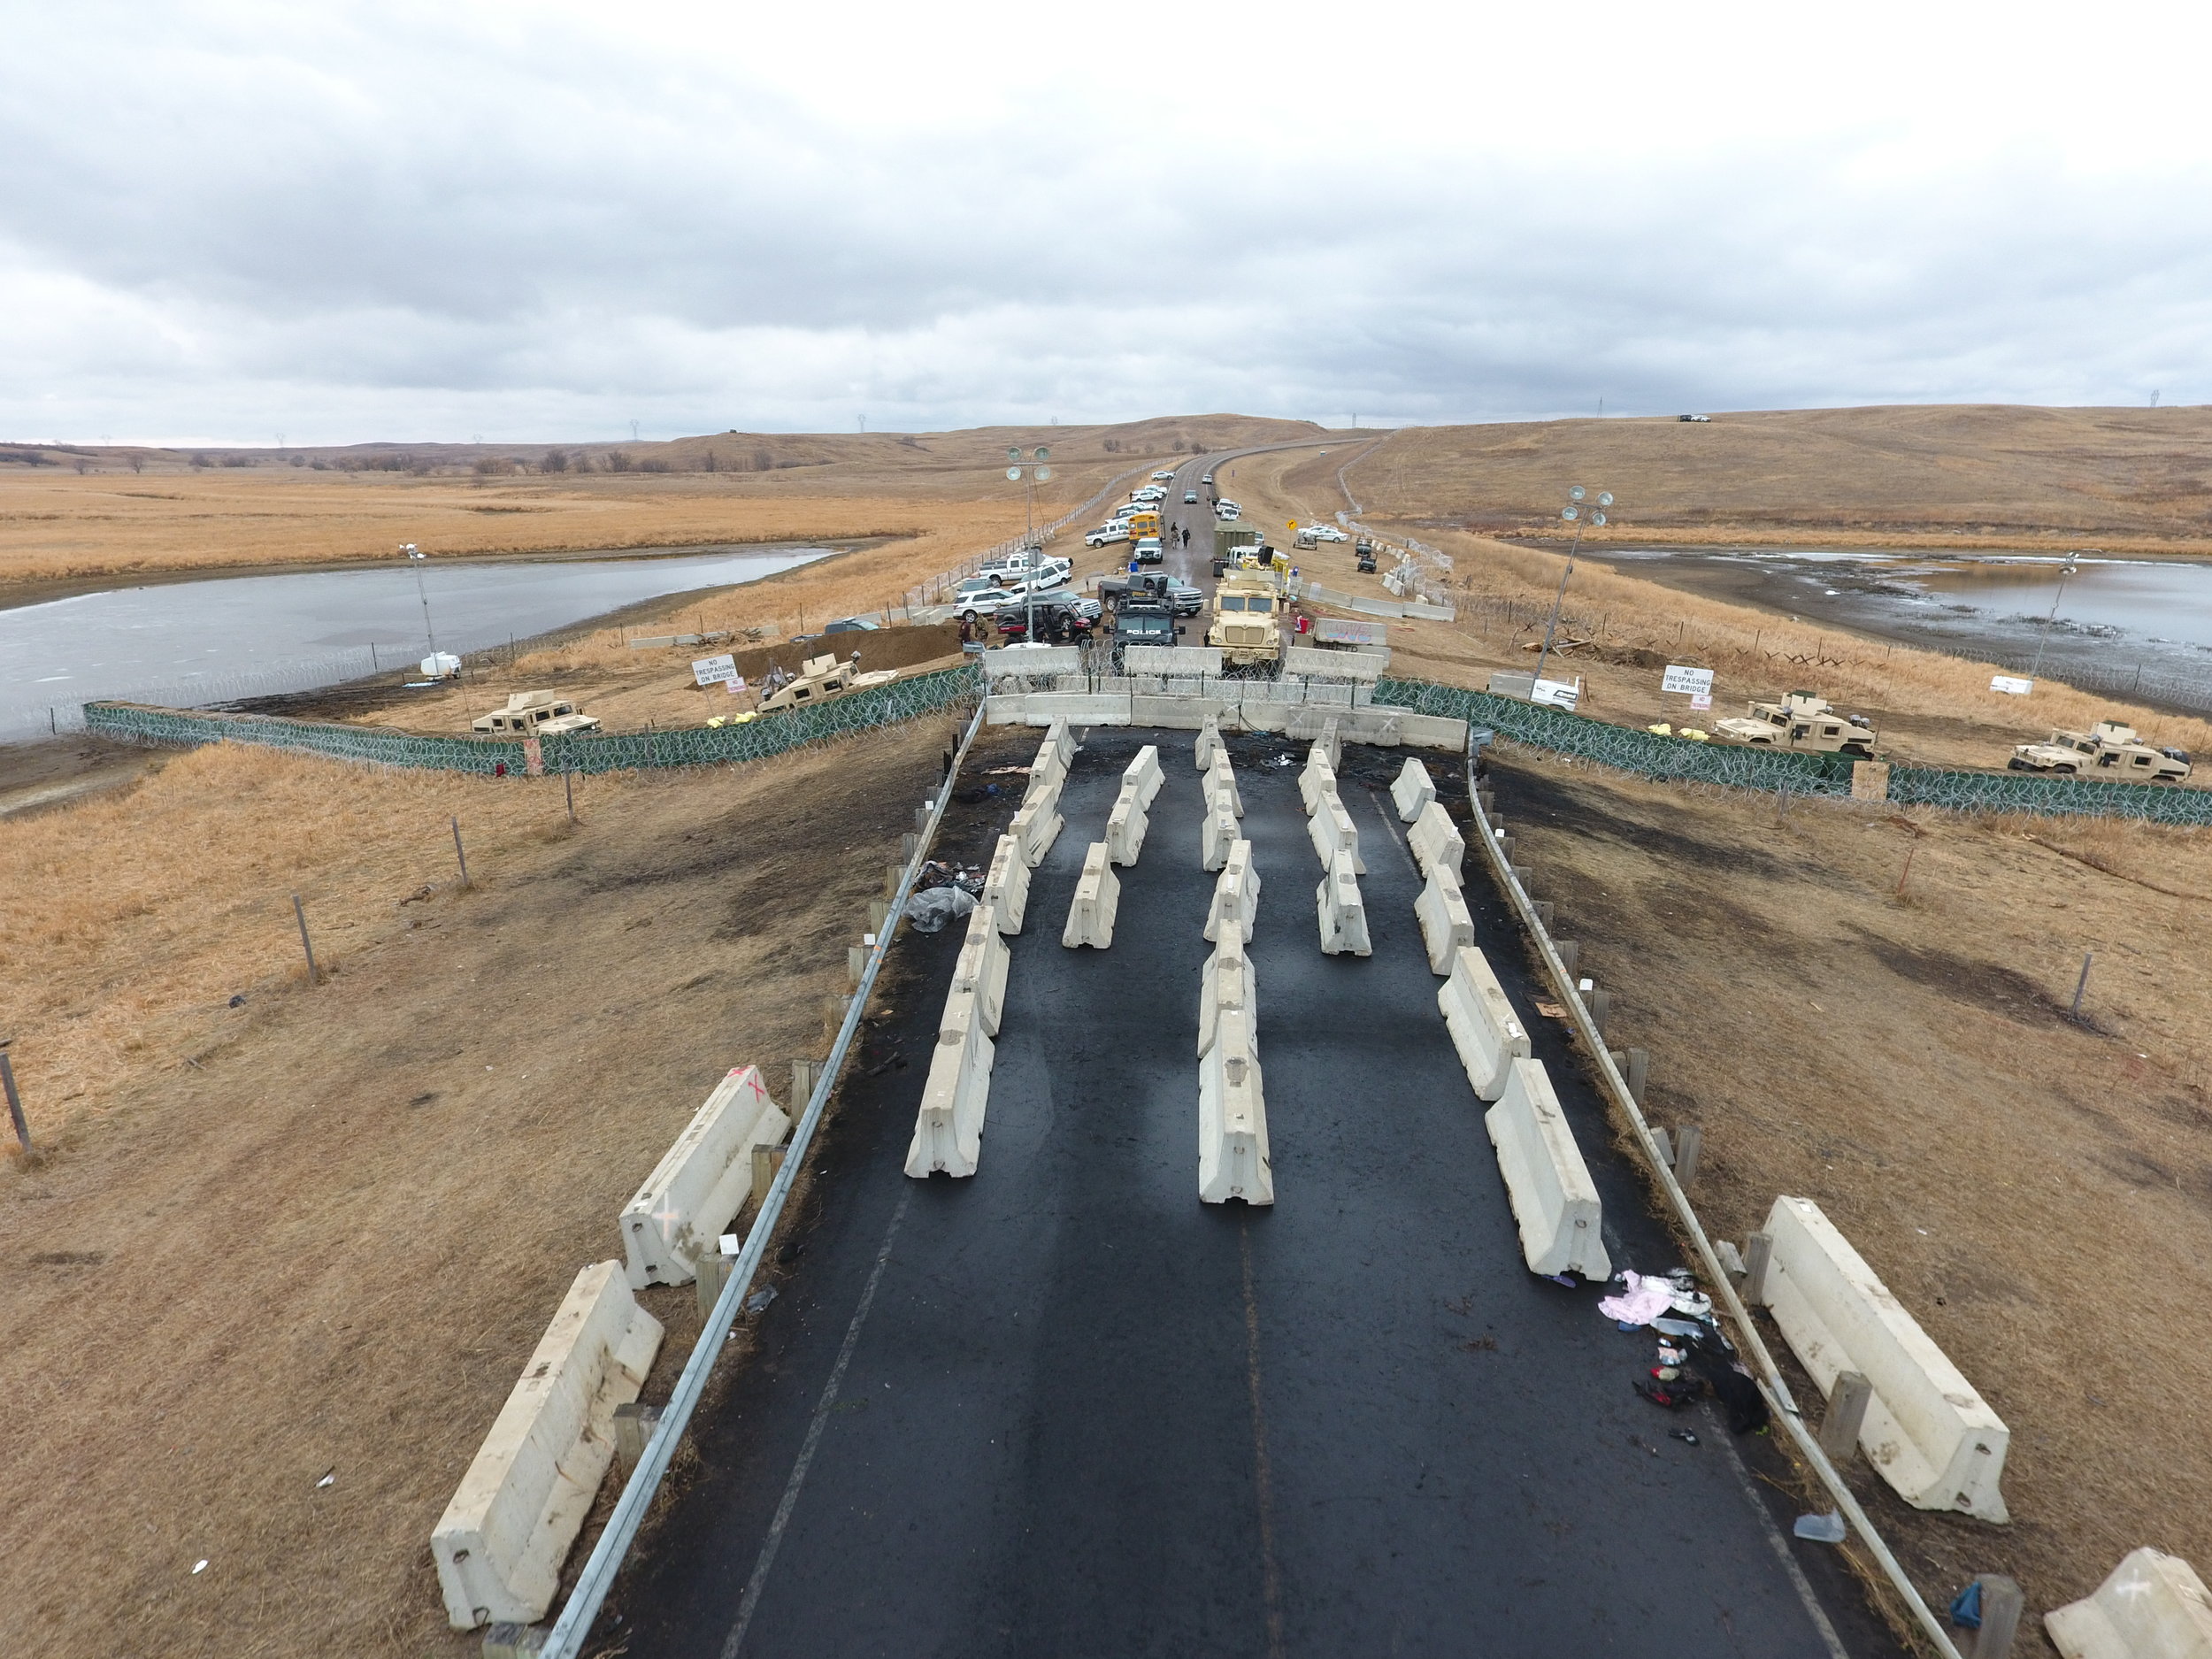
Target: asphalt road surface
{"x":1062,"y":1408}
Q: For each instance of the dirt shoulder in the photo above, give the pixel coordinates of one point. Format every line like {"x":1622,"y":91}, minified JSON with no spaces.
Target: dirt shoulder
{"x":2037,"y":1192}
{"x":318,"y":1231}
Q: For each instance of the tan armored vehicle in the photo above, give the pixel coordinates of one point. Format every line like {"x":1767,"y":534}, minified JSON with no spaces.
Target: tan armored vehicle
{"x":2108,"y":749}
{"x":820,"y":679}
{"x":539,"y":714}
{"x":1247,"y":606}
{"x":1802,"y":720}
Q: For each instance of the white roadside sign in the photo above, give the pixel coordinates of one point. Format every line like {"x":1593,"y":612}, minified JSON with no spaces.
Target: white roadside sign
{"x":2013,"y":687}
{"x":1701,"y":699}
{"x":1696,"y":682}
{"x":1557,"y":694}
{"x":713,"y":671}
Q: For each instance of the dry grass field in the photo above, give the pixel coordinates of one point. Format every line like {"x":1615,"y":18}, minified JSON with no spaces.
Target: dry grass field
{"x":1955,"y":475}
{"x":1620,"y":631}
{"x":2036,"y":1191}
{"x":318,"y":1231}
{"x":58,"y":525}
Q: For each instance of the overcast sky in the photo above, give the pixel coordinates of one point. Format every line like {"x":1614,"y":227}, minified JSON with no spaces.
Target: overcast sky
{"x":223,"y":222}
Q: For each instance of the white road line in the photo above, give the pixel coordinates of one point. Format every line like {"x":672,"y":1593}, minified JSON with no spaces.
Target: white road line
{"x":1781,"y":1546}
{"x":758,"y":1581}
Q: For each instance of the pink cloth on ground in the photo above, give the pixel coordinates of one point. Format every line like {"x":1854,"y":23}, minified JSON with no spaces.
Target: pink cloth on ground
{"x":1644,"y":1300}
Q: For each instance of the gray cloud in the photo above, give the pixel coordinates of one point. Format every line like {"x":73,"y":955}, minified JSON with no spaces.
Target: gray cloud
{"x":345,"y":222}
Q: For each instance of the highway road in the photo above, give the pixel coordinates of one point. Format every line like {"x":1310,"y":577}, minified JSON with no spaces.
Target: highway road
{"x":1062,"y":1408}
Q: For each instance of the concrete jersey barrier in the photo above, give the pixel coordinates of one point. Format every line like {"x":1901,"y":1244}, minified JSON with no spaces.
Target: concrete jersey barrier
{"x":1447,"y":926}
{"x":1332,"y":833}
{"x":1062,"y":741}
{"x":1236,"y":901}
{"x":981,"y":967}
{"x":1032,"y":661}
{"x":1234,"y":1157}
{"x":1485,"y":1031}
{"x":1927,"y":1430}
{"x":1006,"y":885}
{"x":1435,"y":839}
{"x":1554,"y":1202}
{"x":701,"y":1183}
{"x":1216,"y":836}
{"x":1037,"y":824}
{"x":2151,"y":1606}
{"x":1412,"y":791}
{"x":1343,"y":912}
{"x":1049,"y":767}
{"x":1209,"y":744}
{"x":500,"y":1543}
{"x":948,"y":1128}
{"x":1127,"y":823}
{"x":1144,"y":773}
{"x":1221,"y":785}
{"x":1228,"y":981}
{"x":1307,"y":661}
{"x":1317,"y":781}
{"x":1181,"y":661}
{"x":1097,"y":897}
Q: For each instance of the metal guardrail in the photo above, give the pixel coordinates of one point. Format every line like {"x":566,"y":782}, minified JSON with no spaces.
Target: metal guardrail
{"x":1749,"y":1338}
{"x":574,"y":1627}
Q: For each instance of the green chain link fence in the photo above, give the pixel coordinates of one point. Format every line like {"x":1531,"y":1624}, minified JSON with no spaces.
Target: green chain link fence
{"x":1649,"y":754}
{"x":889,"y":705}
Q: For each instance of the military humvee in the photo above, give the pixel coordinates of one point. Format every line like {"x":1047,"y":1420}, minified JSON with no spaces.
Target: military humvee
{"x":1802,"y":720}
{"x":2108,"y":750}
{"x":820,"y":679}
{"x":539,"y":714}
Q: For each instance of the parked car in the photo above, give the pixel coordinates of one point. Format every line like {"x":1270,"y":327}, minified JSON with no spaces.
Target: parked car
{"x":1228,"y":511}
{"x":1148,"y":551}
{"x":1116,"y":531}
{"x":1328,"y":533}
{"x":1701,"y":419}
{"x":981,"y":602}
{"x":1165,"y":476}
{"x":852,"y":624}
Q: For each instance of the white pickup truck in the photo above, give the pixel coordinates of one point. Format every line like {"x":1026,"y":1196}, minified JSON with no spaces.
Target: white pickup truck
{"x":1028,"y":565}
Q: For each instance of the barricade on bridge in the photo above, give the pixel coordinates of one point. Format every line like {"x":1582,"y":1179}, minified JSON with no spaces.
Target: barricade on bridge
{"x":1144,"y":771}
{"x":1006,"y":885}
{"x":1232,"y":1152}
{"x":1927,"y":1430}
{"x":948,"y":1128}
{"x":1125,"y":824}
{"x":1209,"y":744}
{"x":1196,"y":661}
{"x":1412,"y":791}
{"x":1246,"y":705}
{"x":1062,"y":742}
{"x":701,"y":1183}
{"x":1216,"y":836}
{"x":1316,"y":781}
{"x":1051,"y":764}
{"x":1446,"y":924}
{"x":1330,"y":831}
{"x":1031,"y":662}
{"x":1485,"y":1031}
{"x":1097,"y":896}
{"x":2152,"y":1606}
{"x":500,"y":1543}
{"x":1308,"y":662}
{"x":1037,"y":825}
{"x":1227,"y":980}
{"x":1436,"y":840}
{"x":1236,"y":901}
{"x":1221,"y":785}
{"x":1342,"y":912}
{"x":1554,"y":1202}
{"x":981,"y":967}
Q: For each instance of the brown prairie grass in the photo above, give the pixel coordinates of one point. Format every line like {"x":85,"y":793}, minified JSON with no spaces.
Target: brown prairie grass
{"x":320,"y":1232}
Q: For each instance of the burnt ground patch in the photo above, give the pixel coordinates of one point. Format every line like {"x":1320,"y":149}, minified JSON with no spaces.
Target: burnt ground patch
{"x":2005,"y":992}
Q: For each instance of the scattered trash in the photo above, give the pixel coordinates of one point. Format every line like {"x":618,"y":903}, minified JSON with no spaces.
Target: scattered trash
{"x":1568,"y":1279}
{"x":1966,"y":1607}
{"x":791,"y":1253}
{"x":936,"y":873}
{"x":1684,"y":1391}
{"x":1731,"y":1257}
{"x":329,"y":1479}
{"x":238,"y":1001}
{"x":729,"y":1244}
{"x":1822,"y":1529}
{"x":1686,"y":1436}
{"x":1550,"y":1011}
{"x":931,"y":909}
{"x":1642,"y":1300}
{"x":759,"y":1300}
{"x":198,"y":1568}
{"x":1678,"y":1327}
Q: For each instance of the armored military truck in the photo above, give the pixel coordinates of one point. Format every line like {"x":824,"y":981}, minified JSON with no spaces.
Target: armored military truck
{"x":2110,"y":749}
{"x":536,"y":714}
{"x":1806,"y":720}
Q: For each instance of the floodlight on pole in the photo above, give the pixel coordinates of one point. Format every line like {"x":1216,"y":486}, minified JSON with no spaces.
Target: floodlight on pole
{"x":1029,"y":472}
{"x":2073,"y":563}
{"x":415,"y":558}
{"x":1579,"y":514}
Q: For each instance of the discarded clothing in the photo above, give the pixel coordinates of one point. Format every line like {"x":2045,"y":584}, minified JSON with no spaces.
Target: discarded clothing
{"x":1644,"y":1300}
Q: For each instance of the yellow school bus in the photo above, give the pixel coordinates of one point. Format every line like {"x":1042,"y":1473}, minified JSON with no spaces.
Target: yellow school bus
{"x":1142,"y":524}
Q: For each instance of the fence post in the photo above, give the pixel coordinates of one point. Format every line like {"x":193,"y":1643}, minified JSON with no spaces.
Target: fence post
{"x":300,"y":915}
{"x":457,"y":851}
{"x":2003,"y":1604}
{"x":1841,"y":1424}
{"x":1758,"y":1254}
{"x":15,"y":1102}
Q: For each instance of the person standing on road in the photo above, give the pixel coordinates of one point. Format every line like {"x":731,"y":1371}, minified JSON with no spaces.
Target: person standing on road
{"x":1187,"y":538}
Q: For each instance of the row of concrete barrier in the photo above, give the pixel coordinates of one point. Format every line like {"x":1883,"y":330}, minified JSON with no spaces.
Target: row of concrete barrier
{"x":1373,"y":724}
{"x":1234,"y":1160}
{"x":1339,"y":909}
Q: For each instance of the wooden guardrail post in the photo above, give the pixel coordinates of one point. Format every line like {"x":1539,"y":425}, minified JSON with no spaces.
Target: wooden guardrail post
{"x":1845,"y":1417}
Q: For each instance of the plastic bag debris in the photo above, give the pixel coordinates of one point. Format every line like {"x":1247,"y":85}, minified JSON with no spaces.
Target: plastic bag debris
{"x":935,"y":872}
{"x":759,"y":1300}
{"x":1640,"y":1301}
{"x":1685,"y":1435}
{"x":1966,"y":1607}
{"x":198,"y":1568}
{"x":1822,"y":1529}
{"x":930,"y":911}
